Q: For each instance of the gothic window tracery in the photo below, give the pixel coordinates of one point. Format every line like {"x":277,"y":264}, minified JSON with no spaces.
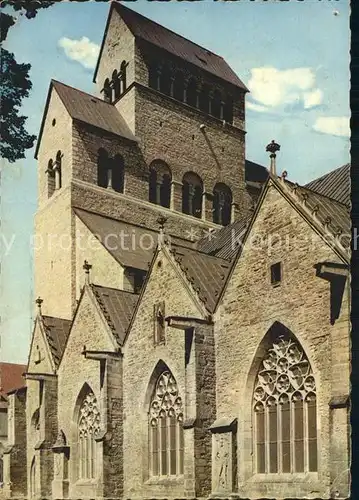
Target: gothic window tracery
{"x":166,"y":428}
{"x":284,"y":408}
{"x":89,"y":422}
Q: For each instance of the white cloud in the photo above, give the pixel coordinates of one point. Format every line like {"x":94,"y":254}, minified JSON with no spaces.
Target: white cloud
{"x":83,"y":51}
{"x":256,"y":107}
{"x":333,"y":125}
{"x":273,"y":87}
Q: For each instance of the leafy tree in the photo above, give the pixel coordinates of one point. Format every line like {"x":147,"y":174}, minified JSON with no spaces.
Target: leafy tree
{"x":15,"y":85}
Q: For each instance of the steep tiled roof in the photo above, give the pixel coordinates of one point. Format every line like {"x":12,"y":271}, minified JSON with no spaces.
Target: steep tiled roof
{"x":205,"y":273}
{"x":117,"y":307}
{"x":158,"y":35}
{"x":335,"y":184}
{"x":11,"y":377}
{"x":56,"y":331}
{"x":89,"y":109}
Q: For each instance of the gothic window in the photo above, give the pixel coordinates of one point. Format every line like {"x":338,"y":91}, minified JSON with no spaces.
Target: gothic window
{"x":102,"y":168}
{"x":178,"y":86}
{"x":216,"y":104}
{"x":50,"y":178}
{"x":192,"y":93}
{"x":284,"y":411}
{"x":159,"y":323}
{"x":88,"y":427}
{"x":165,"y":428}
{"x":123,"y":79}
{"x":165,"y":80}
{"x":107,"y":91}
{"x":118,"y":173}
{"x":192,"y":193}
{"x":222,"y":204}
{"x":58,"y":171}
{"x":160,"y":184}
{"x":116,"y":84}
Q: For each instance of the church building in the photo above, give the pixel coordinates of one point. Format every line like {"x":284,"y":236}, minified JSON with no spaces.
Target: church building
{"x":192,"y":331}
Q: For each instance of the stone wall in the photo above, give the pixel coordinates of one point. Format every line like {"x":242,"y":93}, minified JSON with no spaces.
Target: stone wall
{"x":301,"y":303}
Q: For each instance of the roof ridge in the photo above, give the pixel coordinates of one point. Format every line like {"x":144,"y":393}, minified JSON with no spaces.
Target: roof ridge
{"x":119,"y":5}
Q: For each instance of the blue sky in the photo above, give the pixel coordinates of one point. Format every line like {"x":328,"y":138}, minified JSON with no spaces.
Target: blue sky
{"x":293,"y":56}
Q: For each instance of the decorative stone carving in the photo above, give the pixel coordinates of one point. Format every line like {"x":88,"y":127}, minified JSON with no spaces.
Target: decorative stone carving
{"x":223,"y":456}
{"x":166,"y":400}
{"x":90,"y":417}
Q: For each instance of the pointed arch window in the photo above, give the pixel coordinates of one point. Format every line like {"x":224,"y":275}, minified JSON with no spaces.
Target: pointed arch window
{"x":118,"y":173}
{"x":116,"y":82}
{"x":160,"y":184}
{"x":192,"y":193}
{"x":222,"y":204}
{"x":89,"y":421}
{"x":58,"y":170}
{"x":102,"y":168}
{"x":284,"y":411}
{"x":50,"y":178}
{"x":166,"y":428}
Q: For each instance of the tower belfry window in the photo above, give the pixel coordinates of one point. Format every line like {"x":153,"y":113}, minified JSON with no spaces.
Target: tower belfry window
{"x":160,"y":184}
{"x":192,"y":194}
{"x":222,"y":204}
{"x":107,"y":91}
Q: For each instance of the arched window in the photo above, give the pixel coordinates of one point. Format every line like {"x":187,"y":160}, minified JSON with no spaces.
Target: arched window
{"x":160,"y":184}
{"x":107,"y":91}
{"x":123,"y":68}
{"x":178,"y":86}
{"x":222,"y":204}
{"x":284,"y":411}
{"x":192,"y":193}
{"x":118,"y":173}
{"x":166,"y":428}
{"x":192,"y":93}
{"x":204,"y":98}
{"x":58,"y":171}
{"x":116,"y":84}
{"x":216,"y":104}
{"x":89,"y":421}
{"x":165,"y":80}
{"x":50,"y":178}
{"x":102,"y":168}
{"x":154,"y":75}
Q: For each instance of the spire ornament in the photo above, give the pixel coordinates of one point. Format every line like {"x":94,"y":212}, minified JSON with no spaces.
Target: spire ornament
{"x":87,"y":268}
{"x":272,"y":148}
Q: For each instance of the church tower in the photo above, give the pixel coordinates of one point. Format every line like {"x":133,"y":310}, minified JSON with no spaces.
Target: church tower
{"x":164,"y":138}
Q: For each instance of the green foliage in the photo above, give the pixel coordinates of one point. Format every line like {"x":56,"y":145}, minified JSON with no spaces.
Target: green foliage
{"x":15,"y":85}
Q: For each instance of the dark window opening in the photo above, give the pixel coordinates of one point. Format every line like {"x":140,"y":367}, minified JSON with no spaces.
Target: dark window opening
{"x":118,"y":171}
{"x":228,"y":110}
{"x":134,"y":279}
{"x":276,"y":273}
{"x":102,"y":168}
{"x":216,"y":104}
{"x":192,"y":93}
{"x":204,"y":99}
{"x":160,"y":184}
{"x":50,"y":179}
{"x":116,"y":84}
{"x":58,"y":173}
{"x":222,"y":204}
{"x":178,"y":86}
{"x":165,"y":81}
{"x":192,"y":194}
{"x":107,"y":91}
{"x":123,"y":75}
{"x":153,"y":74}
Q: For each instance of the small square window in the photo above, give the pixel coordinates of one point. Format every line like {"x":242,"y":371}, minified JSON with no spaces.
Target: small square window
{"x":276,"y":273}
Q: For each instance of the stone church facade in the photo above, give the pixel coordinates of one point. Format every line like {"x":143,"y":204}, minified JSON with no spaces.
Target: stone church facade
{"x":192,"y":329}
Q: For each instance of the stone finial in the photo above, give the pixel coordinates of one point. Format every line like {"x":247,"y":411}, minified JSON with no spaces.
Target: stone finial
{"x":161,"y":220}
{"x":272,"y":148}
{"x":38,"y":302}
{"x":284,"y":174}
{"x":87,"y":267}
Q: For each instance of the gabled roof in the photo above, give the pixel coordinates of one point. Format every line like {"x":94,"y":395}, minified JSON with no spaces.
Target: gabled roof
{"x":88,"y":109}
{"x":117,"y":307}
{"x":335,"y":184}
{"x":11,"y":377}
{"x":158,"y":35}
{"x":56,"y":331}
{"x":205,"y":273}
